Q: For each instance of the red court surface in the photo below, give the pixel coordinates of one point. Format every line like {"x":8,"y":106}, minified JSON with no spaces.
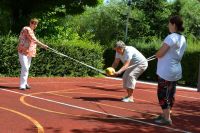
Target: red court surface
{"x":90,"y":105}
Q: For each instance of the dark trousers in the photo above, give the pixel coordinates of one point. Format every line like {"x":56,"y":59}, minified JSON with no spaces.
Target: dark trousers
{"x":166,"y":93}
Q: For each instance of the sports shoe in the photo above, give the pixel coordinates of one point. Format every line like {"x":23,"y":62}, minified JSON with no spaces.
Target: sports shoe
{"x":163,"y":121}
{"x":28,"y":86}
{"x":158,"y":117}
{"x":124,"y":97}
{"x":127,"y":100}
{"x":22,"y":88}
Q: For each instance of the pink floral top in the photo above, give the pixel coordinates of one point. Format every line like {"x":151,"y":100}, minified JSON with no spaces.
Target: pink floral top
{"x":27,"y":42}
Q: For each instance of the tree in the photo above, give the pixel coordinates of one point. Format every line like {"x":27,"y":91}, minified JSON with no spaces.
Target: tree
{"x":20,"y":11}
{"x":190,"y":11}
{"x":157,"y":13}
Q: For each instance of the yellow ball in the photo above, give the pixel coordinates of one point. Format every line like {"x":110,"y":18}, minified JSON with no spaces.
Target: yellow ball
{"x":110,"y":71}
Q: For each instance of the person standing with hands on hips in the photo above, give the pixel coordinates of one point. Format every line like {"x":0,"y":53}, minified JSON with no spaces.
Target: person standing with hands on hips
{"x":169,"y":69}
{"x":26,"y":50}
{"x":129,"y":56}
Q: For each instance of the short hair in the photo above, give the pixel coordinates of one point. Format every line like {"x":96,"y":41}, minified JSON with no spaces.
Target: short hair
{"x":120,"y":44}
{"x":35,"y":20}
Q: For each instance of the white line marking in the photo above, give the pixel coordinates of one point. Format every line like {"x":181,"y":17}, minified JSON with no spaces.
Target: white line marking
{"x":95,"y":111}
{"x":155,"y":84}
{"x":148,"y":83}
{"x":68,"y":82}
{"x":111,"y":85}
{"x":176,"y":95}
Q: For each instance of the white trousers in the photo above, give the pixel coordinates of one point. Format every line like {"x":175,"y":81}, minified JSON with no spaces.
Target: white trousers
{"x":25,"y":62}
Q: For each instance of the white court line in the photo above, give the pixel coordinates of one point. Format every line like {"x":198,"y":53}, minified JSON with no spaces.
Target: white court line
{"x":95,"y":111}
{"x":154,"y":84}
{"x":148,"y":83}
{"x":143,"y":82}
{"x":176,"y":95}
{"x":15,"y":83}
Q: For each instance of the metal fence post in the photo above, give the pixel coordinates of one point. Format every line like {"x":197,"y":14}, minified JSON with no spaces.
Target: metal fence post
{"x":127,"y":19}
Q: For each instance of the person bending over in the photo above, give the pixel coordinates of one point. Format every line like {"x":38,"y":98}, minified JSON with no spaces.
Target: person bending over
{"x":134,"y":64}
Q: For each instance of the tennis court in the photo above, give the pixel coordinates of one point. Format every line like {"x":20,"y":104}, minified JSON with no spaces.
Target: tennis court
{"x":90,"y":105}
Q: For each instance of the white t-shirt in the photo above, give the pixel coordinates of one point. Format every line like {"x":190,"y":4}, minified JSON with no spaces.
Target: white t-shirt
{"x":131,"y":53}
{"x":169,"y":66}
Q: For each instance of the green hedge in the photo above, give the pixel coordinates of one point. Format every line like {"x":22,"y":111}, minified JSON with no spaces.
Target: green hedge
{"x":9,"y":64}
{"x":48,"y":63}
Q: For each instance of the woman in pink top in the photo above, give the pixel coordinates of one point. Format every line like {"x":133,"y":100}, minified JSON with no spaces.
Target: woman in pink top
{"x":26,"y":50}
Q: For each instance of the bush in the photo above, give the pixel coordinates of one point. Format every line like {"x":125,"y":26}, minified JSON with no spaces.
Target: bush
{"x":48,"y":63}
{"x":8,"y":57}
{"x":191,"y":14}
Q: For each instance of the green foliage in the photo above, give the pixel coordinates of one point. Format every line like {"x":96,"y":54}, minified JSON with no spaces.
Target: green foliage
{"x":189,"y":62}
{"x":48,"y":63}
{"x":4,"y":22}
{"x":51,"y":22}
{"x":191,"y":14}
{"x":193,"y":44}
{"x":79,"y":36}
{"x":156,"y":13}
{"x":102,"y":22}
{"x":84,"y":51}
{"x":8,"y":57}
{"x":108,"y":23}
{"x":20,"y":11}
{"x":138,"y":26}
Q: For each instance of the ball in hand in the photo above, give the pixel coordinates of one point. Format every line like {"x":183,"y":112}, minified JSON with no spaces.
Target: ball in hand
{"x":110,"y":71}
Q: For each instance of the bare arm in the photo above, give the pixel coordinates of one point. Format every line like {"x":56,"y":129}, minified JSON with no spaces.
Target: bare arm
{"x":116,"y":62}
{"x":162,"y":51}
{"x":41,"y":44}
{"x":123,"y":68}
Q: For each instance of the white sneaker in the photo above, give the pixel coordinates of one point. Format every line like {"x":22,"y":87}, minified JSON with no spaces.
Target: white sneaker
{"x":164,"y":121}
{"x":22,"y":88}
{"x":125,"y":97}
{"x":127,"y":100}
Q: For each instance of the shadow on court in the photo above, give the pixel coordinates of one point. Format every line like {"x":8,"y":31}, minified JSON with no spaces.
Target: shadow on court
{"x":98,"y":99}
{"x":121,"y":126}
{"x":188,"y":113}
{"x":9,"y":87}
{"x":55,"y":117}
{"x":103,"y":88}
{"x":185,"y":118}
{"x":34,"y":129}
